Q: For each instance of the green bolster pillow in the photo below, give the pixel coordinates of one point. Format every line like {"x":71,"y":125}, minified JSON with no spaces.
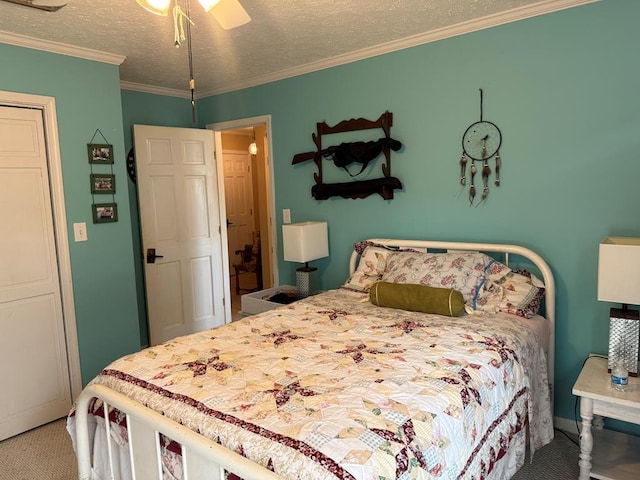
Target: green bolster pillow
{"x":417,"y":298}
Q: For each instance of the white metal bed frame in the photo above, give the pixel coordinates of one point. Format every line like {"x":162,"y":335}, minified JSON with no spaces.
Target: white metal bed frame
{"x":203,"y":458}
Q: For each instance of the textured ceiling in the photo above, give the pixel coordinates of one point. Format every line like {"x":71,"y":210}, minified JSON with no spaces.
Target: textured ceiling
{"x":284,"y":37}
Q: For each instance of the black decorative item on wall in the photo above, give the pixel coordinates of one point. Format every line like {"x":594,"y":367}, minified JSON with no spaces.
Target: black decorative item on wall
{"x":347,"y":153}
{"x":480,"y":142}
{"x":131,"y":165}
{"x":102,"y":183}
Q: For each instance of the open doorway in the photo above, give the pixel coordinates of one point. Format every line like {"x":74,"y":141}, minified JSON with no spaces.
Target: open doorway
{"x":248,"y":184}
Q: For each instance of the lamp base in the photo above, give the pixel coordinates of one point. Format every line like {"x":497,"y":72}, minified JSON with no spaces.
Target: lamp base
{"x":624,"y":335}
{"x":306,"y":281}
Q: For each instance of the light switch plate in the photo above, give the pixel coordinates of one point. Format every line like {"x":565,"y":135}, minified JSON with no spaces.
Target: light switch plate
{"x":80,"y":232}
{"x":286,"y":215}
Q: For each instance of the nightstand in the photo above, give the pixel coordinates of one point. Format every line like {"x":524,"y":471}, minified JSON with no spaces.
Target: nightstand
{"x":616,"y":456}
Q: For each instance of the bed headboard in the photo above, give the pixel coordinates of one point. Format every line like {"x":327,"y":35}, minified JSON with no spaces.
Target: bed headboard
{"x":505,"y":251}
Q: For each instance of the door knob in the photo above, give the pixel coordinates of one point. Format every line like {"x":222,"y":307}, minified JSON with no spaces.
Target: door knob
{"x":151,"y":255}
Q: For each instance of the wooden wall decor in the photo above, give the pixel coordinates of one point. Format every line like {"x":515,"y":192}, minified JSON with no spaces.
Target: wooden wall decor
{"x":360,"y":152}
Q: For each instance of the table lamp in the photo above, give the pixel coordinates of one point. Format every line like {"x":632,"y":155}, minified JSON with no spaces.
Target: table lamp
{"x":619,"y":281}
{"x":304,"y":242}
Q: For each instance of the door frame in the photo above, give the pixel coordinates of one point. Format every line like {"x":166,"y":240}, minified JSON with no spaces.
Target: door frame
{"x":244,"y":123}
{"x":48,"y":107}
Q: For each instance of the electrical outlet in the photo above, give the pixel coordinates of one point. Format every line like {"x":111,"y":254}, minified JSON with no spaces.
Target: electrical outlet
{"x":286,"y":215}
{"x":80,"y":232}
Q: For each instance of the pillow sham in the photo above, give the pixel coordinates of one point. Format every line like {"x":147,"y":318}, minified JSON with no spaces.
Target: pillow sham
{"x":462,"y":271}
{"x":518,"y":292}
{"x":417,"y":298}
{"x":373,"y":260}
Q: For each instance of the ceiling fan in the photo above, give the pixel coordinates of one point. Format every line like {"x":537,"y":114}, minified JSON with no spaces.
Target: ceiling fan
{"x":229,"y":13}
{"x":46,"y":5}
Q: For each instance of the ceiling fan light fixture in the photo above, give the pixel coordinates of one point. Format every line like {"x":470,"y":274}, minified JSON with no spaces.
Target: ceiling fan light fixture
{"x":208,"y":4}
{"x":157,"y":7}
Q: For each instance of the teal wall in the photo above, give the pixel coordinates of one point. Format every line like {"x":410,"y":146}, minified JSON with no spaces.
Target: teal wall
{"x":563,"y":88}
{"x":87,"y":98}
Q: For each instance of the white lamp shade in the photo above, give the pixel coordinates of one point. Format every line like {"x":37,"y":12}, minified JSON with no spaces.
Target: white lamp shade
{"x":305,"y":241}
{"x":619,"y":270}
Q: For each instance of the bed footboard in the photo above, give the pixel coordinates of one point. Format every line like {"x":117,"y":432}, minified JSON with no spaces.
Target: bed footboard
{"x":202,"y":458}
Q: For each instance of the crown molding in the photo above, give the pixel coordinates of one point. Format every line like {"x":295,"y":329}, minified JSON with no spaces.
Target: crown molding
{"x":141,"y":87}
{"x":509,"y":16}
{"x":60,"y":48}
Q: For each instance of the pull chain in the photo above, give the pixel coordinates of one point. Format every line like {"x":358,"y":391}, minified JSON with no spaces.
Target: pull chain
{"x":179,"y":36}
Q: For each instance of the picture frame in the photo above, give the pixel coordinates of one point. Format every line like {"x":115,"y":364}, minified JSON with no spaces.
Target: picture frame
{"x":103,"y":183}
{"x":100,"y":153}
{"x":104,"y":212}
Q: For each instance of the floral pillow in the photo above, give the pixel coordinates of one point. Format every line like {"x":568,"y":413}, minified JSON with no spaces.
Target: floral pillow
{"x":370,"y":268}
{"x":373,"y":261}
{"x":513,"y":291}
{"x":462,"y":271}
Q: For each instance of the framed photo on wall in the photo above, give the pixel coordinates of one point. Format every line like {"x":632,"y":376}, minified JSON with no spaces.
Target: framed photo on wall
{"x":104,"y":212}
{"x":103,"y":183}
{"x":100,"y":153}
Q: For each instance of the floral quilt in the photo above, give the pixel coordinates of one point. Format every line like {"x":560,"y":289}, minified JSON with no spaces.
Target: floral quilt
{"x":333,"y":387}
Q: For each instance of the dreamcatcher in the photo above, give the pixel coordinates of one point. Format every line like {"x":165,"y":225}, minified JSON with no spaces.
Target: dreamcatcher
{"x":481,"y":141}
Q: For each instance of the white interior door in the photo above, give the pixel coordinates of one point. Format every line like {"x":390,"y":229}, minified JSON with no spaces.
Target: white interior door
{"x":180,"y":219}
{"x":238,"y":192}
{"x":33,"y":357}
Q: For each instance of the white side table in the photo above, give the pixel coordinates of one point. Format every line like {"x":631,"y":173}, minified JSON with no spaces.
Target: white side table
{"x":616,"y":456}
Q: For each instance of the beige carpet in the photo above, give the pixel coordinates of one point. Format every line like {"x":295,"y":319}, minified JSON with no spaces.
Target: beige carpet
{"x":43,"y":453}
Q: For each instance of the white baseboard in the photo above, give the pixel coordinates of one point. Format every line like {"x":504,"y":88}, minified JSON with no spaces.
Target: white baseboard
{"x":565,"y":424}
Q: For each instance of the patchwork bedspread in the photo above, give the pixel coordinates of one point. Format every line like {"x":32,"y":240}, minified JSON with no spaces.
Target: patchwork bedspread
{"x":333,"y":387}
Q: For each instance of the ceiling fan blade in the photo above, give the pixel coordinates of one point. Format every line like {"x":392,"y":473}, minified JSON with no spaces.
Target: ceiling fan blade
{"x":49,"y":3}
{"x":230,"y":14}
{"x":46,"y":5}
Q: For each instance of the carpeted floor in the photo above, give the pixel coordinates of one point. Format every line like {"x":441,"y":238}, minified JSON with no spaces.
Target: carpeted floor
{"x":46,"y":453}
{"x":556,"y":461}
{"x":43,"y":453}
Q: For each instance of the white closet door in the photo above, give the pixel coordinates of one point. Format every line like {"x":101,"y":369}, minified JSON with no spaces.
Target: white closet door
{"x":33,"y":357}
